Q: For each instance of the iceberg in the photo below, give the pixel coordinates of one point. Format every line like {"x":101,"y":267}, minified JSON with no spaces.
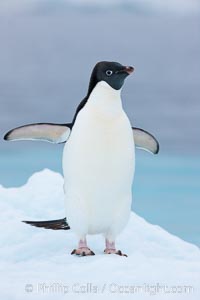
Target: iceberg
{"x":38,"y":262}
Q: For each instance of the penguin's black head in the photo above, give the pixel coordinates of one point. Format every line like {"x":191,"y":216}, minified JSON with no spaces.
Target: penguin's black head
{"x":112,"y":73}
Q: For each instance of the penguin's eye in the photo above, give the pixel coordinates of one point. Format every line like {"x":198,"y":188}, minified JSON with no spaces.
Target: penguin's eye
{"x":109,"y":72}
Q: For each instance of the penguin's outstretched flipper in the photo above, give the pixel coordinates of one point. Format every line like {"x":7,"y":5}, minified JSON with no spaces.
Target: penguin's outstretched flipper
{"x":53,"y":224}
{"x":49,"y":132}
{"x":59,"y":133}
{"x":145,"y":140}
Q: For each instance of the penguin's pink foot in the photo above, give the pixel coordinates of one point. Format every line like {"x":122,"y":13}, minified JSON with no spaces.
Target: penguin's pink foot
{"x":114,"y":251}
{"x":110,"y":249}
{"x":83,"y":251}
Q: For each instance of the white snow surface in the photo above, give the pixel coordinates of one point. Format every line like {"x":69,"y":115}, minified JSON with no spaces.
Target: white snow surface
{"x":36,"y":263}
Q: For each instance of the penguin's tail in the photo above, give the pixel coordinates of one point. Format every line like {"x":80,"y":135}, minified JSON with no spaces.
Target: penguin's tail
{"x":53,"y":224}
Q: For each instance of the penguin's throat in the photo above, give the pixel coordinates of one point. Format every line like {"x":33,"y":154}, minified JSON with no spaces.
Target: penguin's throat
{"x":105,"y":100}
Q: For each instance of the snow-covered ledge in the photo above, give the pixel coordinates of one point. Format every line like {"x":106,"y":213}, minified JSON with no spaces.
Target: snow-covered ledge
{"x":37,"y":262}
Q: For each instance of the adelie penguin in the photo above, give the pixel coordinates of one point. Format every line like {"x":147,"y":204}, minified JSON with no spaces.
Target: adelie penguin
{"x":98,"y":159}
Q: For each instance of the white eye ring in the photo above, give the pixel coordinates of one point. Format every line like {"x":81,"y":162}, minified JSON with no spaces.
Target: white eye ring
{"x":109,"y":72}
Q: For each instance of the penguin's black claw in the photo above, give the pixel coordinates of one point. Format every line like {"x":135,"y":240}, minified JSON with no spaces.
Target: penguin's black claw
{"x":119,"y":252}
{"x":114,"y":251}
{"x":84,"y":251}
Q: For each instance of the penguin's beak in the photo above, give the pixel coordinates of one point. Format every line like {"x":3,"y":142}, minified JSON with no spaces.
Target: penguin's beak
{"x":128,"y":69}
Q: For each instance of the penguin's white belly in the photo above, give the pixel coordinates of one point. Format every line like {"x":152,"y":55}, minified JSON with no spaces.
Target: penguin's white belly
{"x":98,"y":165}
